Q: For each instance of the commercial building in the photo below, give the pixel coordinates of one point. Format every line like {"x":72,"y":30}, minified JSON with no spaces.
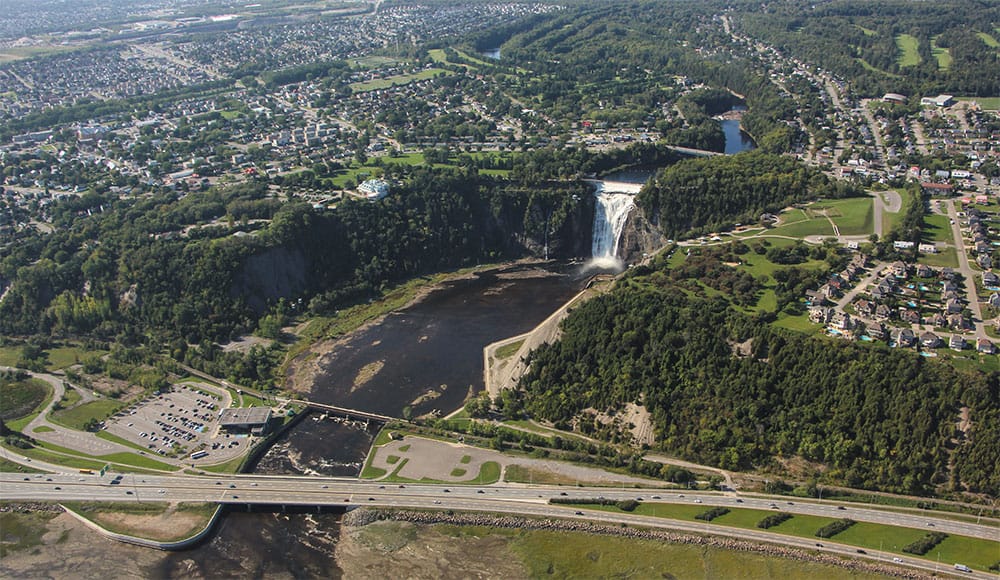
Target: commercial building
{"x":251,"y":420}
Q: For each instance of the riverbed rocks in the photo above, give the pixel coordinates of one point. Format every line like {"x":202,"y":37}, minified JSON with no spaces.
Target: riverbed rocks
{"x":365,"y":516}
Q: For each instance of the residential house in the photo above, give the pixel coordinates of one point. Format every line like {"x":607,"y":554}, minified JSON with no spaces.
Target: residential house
{"x":958,"y":322}
{"x":982,"y":247}
{"x":984,"y":261}
{"x":930,"y":340}
{"x":924,"y":271}
{"x":994,"y":300}
{"x":909,"y":316}
{"x":984,"y":346}
{"x":903,"y":337}
{"x":841,"y":321}
{"x":948,"y":286}
{"x":875,"y":330}
{"x":956,"y":342}
{"x":883,"y":312}
{"x":953,"y":307}
{"x":937,"y":320}
{"x":946,"y":273}
{"x":815,"y":298}
{"x":864,"y":307}
{"x":899,"y":269}
{"x":820,"y":314}
{"x":990,"y":280}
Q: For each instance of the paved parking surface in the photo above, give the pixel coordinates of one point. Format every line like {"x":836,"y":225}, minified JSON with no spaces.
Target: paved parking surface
{"x":177,"y":423}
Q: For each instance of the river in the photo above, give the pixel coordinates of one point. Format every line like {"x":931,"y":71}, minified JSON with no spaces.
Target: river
{"x":429,"y":357}
{"x":736,"y":140}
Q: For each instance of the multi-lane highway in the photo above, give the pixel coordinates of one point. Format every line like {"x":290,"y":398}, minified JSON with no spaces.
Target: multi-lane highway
{"x":514,"y":499}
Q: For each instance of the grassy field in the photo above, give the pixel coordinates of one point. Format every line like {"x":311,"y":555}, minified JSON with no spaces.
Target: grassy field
{"x":376,"y":84}
{"x":891,"y":220}
{"x":508,"y":350}
{"x":856,"y":215}
{"x":109,"y":516}
{"x":808,"y":227}
{"x":971,"y":551}
{"x":866,"y":31}
{"x":937,"y":228}
{"x":987,"y":103}
{"x":576,"y":555}
{"x":988,"y":39}
{"x":946,"y":257}
{"x":23,"y":531}
{"x":943,"y":55}
{"x":909,"y":54}
{"x":25,"y":398}
{"x":78,"y":417}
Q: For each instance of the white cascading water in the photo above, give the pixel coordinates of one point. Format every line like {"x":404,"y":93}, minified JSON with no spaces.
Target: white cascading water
{"x":613,"y":203}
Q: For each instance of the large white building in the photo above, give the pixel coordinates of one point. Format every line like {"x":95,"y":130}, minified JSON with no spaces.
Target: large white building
{"x":374,"y":189}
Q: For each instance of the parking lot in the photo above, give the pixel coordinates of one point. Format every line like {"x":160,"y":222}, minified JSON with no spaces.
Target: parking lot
{"x":177,"y":423}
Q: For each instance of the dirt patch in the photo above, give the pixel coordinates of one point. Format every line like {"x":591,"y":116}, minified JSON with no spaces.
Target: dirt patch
{"x":423,"y":552}
{"x":742,"y":349}
{"x":69,"y":549}
{"x":634,"y":419}
{"x":170,"y":525}
{"x":245,"y":343}
{"x":367,"y":373}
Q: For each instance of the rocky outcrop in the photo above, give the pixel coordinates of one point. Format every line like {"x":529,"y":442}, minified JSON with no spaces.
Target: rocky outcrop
{"x":639,"y":237}
{"x":275,"y":273}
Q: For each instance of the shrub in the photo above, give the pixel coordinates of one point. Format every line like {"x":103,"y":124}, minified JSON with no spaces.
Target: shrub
{"x":925,"y":544}
{"x":834,"y":528}
{"x":711,"y":514}
{"x":773,"y":520}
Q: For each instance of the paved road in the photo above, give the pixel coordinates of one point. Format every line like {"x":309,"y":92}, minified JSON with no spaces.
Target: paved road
{"x":516,"y":499}
{"x":88,"y":443}
{"x":966,"y":270}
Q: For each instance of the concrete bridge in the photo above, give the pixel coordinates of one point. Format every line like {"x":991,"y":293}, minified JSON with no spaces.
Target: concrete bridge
{"x":344,"y":411}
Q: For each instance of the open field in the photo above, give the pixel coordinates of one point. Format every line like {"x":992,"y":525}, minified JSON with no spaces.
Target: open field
{"x":988,"y":39}
{"x":22,"y":398}
{"x":818,"y":226}
{"x":936,"y":228}
{"x":155,"y":521}
{"x":987,"y":103}
{"x":78,"y":417}
{"x":406,"y":79}
{"x":909,"y":54}
{"x":943,"y":55}
{"x":977,"y":553}
{"x":856,"y":215}
{"x":948,"y":257}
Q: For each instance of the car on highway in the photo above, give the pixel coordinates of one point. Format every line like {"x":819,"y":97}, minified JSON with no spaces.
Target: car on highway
{"x":128,"y":492}
{"x":840,"y":507}
{"x":579,"y":513}
{"x":697,"y":500}
{"x":480,"y":491}
{"x":232,"y":486}
{"x":58,"y":488}
{"x":161,"y":491}
{"x":897,"y":559}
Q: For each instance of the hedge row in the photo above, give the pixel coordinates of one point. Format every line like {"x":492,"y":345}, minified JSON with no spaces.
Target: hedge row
{"x":712,"y":514}
{"x":834,"y":528}
{"x":925,"y":544}
{"x":773,"y":520}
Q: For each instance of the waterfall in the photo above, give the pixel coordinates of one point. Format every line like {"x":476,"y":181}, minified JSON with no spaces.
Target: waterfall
{"x":610,"y":213}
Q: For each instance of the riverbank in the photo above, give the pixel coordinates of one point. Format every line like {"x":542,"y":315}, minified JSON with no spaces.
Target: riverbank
{"x":391,"y":543}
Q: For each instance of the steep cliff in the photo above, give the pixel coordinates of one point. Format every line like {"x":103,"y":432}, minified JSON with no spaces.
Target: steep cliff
{"x":639,"y":237}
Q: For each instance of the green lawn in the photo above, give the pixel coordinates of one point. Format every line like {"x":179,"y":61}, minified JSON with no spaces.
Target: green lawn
{"x":856,"y":215}
{"x":987,"y":103}
{"x":808,"y":227}
{"x":866,"y":31}
{"x":508,"y":350}
{"x":65,"y":356}
{"x":78,"y":417}
{"x":937,"y":229}
{"x":799,"y":323}
{"x":974,"y":552}
{"x":9,"y":355}
{"x":397,"y":80}
{"x":126,"y":458}
{"x":549,"y":554}
{"x":943,"y":55}
{"x":988,"y":39}
{"x":909,"y":54}
{"x":946,"y":257}
{"x":892,"y":220}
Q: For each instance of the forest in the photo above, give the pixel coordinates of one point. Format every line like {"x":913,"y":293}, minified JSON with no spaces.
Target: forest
{"x":860,"y":41}
{"x":702,"y":195}
{"x":865,"y":416}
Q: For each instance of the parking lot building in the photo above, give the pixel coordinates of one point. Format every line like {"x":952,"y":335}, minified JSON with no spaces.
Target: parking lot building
{"x":251,"y":420}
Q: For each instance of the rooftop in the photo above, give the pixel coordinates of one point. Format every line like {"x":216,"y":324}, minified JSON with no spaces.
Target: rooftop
{"x":237,"y":416}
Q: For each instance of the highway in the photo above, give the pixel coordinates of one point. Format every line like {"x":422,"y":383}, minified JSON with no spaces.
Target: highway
{"x":510,"y":498}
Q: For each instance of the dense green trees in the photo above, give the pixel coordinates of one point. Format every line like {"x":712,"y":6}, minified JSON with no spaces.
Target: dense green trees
{"x":700,"y":195}
{"x":878,"y":418}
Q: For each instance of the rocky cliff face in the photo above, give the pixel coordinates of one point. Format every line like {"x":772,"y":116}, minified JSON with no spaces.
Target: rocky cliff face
{"x":265,"y":277}
{"x":639,"y":237}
